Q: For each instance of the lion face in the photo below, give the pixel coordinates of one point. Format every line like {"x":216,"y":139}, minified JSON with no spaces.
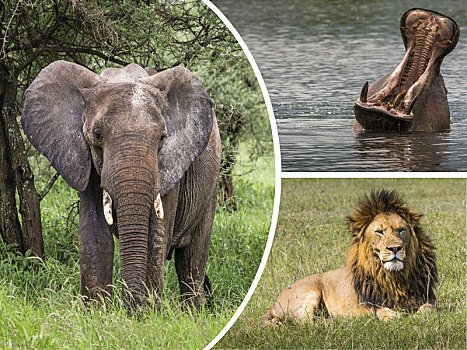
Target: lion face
{"x":391,"y":259}
{"x":389,"y":234}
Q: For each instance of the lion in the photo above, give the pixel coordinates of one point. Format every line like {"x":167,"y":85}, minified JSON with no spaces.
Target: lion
{"x":390,"y":268}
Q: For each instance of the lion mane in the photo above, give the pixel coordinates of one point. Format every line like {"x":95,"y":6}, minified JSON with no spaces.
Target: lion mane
{"x":407,"y":289}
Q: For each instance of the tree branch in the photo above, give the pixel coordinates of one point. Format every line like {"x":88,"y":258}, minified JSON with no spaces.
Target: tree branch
{"x":48,"y":187}
{"x":40,"y":50}
{"x":3,"y":50}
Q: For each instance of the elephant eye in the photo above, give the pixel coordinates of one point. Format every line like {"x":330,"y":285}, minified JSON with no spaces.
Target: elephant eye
{"x":162,"y":139}
{"x":380,"y":232}
{"x":97,"y":134}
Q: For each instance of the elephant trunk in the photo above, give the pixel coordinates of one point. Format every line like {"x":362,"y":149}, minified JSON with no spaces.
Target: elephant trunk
{"x":133,"y":223}
{"x":132,"y":182}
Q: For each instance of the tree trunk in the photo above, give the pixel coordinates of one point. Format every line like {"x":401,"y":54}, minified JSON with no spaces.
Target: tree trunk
{"x":233,"y":130}
{"x":29,"y":199}
{"x":17,"y":173}
{"x":10,"y":228}
{"x":227,"y":196}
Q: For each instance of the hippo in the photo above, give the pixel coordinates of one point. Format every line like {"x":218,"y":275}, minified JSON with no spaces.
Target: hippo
{"x":413,"y":96}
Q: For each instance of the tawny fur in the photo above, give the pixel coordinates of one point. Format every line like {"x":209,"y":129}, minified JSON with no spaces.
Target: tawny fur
{"x":385,"y":232}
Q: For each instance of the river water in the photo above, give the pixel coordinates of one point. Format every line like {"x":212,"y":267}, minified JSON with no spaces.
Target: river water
{"x":315,"y":56}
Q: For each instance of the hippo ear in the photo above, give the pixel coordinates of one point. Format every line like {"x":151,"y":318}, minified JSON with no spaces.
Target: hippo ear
{"x":188,"y":117}
{"x":53,"y":119}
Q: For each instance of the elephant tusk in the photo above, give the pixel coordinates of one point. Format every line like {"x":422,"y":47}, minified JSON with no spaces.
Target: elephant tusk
{"x":107,"y":202}
{"x":158,"y":207}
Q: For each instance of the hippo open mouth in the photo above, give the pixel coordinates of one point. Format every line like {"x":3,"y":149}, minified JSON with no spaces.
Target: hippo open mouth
{"x":413,"y":96}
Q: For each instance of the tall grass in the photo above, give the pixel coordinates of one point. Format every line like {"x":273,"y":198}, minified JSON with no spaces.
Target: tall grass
{"x":40,"y":305}
{"x":312,"y":237}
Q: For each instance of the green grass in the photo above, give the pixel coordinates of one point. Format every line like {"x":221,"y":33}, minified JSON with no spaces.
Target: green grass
{"x":40,"y":305}
{"x":312,"y":237}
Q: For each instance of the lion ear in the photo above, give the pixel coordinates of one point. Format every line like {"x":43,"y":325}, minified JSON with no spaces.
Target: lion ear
{"x":413,"y":218}
{"x":355,"y":227}
{"x":352,"y":228}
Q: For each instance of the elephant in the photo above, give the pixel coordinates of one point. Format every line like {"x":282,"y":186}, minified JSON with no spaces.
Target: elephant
{"x":413,"y":96}
{"x":143,"y":150}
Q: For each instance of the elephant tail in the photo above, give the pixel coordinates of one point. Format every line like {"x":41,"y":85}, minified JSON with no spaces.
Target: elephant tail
{"x":208,"y":291}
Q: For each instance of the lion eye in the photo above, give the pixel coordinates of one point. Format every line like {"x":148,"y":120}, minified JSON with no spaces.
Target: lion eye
{"x":380,"y":232}
{"x":401,"y":232}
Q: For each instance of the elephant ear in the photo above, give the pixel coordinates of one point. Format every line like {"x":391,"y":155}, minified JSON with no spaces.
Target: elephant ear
{"x":188,"y":118}
{"x":53,"y":119}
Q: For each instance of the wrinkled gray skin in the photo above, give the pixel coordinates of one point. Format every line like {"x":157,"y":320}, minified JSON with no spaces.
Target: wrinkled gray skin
{"x":413,"y":96}
{"x":134,"y":135}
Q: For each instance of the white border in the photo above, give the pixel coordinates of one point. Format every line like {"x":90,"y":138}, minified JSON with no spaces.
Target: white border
{"x":277,"y":157}
{"x":373,"y":175}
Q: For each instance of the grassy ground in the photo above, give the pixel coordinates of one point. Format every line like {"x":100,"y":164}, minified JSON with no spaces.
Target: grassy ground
{"x":40,"y":306}
{"x":312,"y":237}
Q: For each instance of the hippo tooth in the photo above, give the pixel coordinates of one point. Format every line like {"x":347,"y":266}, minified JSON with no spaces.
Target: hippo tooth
{"x":364,"y":93}
{"x":411,"y":106}
{"x":388,"y":106}
{"x":378,"y":103}
{"x":399,"y":98}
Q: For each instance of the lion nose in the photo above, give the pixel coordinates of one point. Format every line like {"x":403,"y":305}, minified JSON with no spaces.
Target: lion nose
{"x":394,"y":248}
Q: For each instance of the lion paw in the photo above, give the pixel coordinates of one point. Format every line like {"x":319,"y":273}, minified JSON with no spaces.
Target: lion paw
{"x":425,"y":308}
{"x":385,"y":314}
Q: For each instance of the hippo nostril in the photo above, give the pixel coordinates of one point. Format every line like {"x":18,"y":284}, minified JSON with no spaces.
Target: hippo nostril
{"x":394,"y":249}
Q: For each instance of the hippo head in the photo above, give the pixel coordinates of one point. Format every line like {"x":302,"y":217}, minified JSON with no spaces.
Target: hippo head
{"x":413,"y":96}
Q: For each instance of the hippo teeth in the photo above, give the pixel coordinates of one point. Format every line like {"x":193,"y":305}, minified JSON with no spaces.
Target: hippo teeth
{"x":364,"y":93}
{"x":399,"y":98}
{"x":412,"y":105}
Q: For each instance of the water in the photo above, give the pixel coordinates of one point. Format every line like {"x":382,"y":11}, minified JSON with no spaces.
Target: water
{"x":315,"y":56}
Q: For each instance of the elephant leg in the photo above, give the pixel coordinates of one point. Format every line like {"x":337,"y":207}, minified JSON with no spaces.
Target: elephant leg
{"x":95,"y":244}
{"x":191,"y":260}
